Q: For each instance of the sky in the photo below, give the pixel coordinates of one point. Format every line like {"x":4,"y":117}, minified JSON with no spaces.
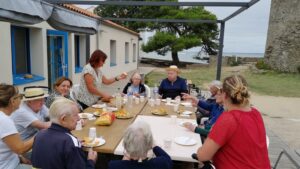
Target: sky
{"x":245,"y":33}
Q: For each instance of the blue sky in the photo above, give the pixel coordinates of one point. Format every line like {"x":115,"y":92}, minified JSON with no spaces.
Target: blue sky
{"x":245,"y":33}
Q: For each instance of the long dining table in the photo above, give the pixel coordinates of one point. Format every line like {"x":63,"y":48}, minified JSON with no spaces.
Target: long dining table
{"x":160,"y":127}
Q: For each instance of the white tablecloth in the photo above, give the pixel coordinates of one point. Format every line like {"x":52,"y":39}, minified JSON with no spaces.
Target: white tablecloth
{"x":163,"y":128}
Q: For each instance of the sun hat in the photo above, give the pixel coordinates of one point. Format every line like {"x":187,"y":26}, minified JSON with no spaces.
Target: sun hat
{"x":216,"y":83}
{"x":33,"y":93}
{"x":173,"y":68}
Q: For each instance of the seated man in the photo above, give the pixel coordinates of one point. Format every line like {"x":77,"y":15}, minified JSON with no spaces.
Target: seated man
{"x":173,"y":85}
{"x":32,"y":114}
{"x":56,"y":147}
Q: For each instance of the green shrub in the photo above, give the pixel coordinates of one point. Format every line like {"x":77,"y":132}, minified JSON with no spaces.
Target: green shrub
{"x":260,"y":64}
{"x":235,"y":63}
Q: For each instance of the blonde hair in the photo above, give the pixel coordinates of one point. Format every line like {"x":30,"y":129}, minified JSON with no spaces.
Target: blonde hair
{"x":236,"y":88}
{"x":61,"y":106}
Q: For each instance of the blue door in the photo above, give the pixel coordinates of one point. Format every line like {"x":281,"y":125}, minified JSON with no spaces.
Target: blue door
{"x":57,"y":49}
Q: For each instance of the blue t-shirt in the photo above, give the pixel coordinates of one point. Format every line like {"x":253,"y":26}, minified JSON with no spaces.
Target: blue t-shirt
{"x":172,"y":89}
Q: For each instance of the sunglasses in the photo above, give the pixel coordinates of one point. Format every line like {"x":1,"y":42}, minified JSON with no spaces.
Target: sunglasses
{"x":19,"y":96}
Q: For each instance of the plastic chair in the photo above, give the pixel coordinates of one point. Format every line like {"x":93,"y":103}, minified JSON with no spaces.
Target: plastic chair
{"x":291,"y":155}
{"x":148,"y":93}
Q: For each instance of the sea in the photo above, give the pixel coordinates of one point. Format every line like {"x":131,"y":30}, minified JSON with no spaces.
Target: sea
{"x":189,"y":56}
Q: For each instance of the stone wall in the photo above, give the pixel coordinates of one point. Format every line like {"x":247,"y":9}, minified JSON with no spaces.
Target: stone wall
{"x":283,"y":41}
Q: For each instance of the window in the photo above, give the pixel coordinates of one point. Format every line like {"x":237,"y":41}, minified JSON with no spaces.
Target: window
{"x":134,"y":52}
{"x":21,"y":60}
{"x":20,"y":50}
{"x":113,"y":53}
{"x":126,"y":52}
{"x":80,"y":52}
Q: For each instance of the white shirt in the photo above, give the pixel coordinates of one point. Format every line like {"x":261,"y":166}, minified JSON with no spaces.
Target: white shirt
{"x":24,"y":117}
{"x":84,"y":95}
{"x":8,"y":159}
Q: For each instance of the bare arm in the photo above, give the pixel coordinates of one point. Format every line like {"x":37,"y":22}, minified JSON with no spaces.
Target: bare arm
{"x":40,"y":124}
{"x":208,"y":150}
{"x":18,"y":146}
{"x":89,"y":80}
{"x":107,"y":81}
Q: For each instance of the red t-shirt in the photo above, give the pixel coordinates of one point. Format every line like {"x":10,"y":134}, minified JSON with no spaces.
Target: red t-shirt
{"x":242,"y":138}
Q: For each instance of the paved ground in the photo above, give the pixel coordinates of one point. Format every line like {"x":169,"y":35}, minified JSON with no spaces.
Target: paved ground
{"x":281,"y":116}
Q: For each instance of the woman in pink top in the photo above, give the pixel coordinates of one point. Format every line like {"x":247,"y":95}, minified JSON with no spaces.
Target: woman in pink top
{"x":238,"y":138}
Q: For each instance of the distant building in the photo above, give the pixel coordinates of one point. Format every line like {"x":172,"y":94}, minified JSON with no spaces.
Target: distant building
{"x":30,"y":45}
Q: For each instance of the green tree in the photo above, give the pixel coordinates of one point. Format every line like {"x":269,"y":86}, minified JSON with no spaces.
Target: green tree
{"x":173,"y":37}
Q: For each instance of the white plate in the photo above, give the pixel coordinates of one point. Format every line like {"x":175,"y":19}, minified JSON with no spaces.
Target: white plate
{"x":85,"y":115}
{"x":193,"y":123}
{"x":187,"y":112}
{"x":99,"y":106}
{"x":185,"y":141}
{"x":111,"y":109}
{"x":100,"y":140}
{"x":187,"y":104}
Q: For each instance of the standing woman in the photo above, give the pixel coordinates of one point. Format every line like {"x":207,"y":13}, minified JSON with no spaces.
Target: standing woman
{"x":11,"y":144}
{"x":61,"y":89}
{"x":91,"y":79}
{"x":238,"y":138}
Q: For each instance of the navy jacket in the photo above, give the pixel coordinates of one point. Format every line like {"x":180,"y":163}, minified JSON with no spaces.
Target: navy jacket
{"x":215,"y":111}
{"x":172,"y":90}
{"x":161,"y":161}
{"x":57,"y":148}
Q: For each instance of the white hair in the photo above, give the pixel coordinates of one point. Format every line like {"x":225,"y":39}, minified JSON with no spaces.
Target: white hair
{"x":61,"y":106}
{"x":138,"y":140}
{"x":216,"y":83}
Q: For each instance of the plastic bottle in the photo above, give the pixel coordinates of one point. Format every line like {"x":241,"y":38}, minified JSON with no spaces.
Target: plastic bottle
{"x":155,"y":92}
{"x":118,"y":99}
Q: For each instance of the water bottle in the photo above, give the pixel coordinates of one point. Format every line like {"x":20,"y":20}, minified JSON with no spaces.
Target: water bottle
{"x":155,"y":92}
{"x":118,"y":99}
{"x":130,"y":96}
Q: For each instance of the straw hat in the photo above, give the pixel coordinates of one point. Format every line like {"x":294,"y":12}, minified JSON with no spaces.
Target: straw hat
{"x":216,"y":83}
{"x":34,"y":93}
{"x":173,"y":68}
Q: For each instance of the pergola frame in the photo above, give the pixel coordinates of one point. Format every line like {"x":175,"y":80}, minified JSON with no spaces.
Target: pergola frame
{"x":243,"y":6}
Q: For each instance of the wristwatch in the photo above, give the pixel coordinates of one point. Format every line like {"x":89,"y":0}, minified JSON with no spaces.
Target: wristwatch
{"x":116,"y":79}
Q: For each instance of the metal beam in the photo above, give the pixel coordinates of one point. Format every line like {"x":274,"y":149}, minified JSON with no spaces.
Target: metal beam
{"x":162,"y":20}
{"x":148,"y":3}
{"x":220,"y":53}
{"x":240,"y":10}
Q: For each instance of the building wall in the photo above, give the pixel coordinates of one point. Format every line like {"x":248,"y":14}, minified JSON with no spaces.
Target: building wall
{"x":283,"y":41}
{"x":38,"y":52}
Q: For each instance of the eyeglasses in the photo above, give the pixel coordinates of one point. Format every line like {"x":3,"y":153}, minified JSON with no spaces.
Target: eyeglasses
{"x":19,"y":96}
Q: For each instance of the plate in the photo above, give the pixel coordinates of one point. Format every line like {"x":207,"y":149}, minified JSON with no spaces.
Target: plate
{"x":187,"y":104}
{"x":159,"y":113}
{"x":111,"y":109}
{"x":85,"y":115}
{"x":185,"y":141}
{"x":187,"y":112}
{"x":99,"y":106}
{"x":124,"y":117}
{"x":96,"y":143}
{"x":182,"y":123}
{"x":123,"y":114}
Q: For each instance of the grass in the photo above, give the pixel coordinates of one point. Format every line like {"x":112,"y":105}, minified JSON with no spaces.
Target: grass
{"x":269,"y":83}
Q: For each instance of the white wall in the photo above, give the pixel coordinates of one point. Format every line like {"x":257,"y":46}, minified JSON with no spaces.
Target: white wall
{"x":5,"y":54}
{"x":38,"y":51}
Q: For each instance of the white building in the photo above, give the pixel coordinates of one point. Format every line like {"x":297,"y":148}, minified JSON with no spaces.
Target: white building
{"x":47,"y":53}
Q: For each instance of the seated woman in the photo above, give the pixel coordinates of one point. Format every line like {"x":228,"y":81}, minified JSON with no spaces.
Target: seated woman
{"x":238,"y":138}
{"x":215,"y":109}
{"x":137,"y":142}
{"x":135,"y":86}
{"x":11,"y":144}
{"x":61,"y":88}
